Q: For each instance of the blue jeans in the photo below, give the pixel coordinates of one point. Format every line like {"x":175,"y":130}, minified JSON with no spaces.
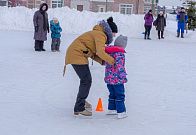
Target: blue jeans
{"x":116,"y":98}
{"x":181,"y":27}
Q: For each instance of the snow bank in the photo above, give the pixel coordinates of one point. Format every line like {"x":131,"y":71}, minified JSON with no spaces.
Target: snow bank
{"x":72,"y":21}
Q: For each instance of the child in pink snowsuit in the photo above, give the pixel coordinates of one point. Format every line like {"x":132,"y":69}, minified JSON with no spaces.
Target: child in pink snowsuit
{"x":115,"y":77}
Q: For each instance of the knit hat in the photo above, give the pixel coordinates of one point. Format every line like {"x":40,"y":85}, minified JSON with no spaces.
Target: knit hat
{"x":112,"y":25}
{"x":121,"y":41}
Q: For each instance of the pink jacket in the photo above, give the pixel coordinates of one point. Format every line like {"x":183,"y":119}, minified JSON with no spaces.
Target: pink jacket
{"x":115,"y":74}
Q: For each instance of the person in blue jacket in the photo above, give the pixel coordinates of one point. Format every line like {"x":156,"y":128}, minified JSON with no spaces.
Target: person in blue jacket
{"x":55,"y":34}
{"x":182,"y":19}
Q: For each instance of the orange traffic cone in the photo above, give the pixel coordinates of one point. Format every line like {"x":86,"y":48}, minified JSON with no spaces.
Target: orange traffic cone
{"x":99,"y":106}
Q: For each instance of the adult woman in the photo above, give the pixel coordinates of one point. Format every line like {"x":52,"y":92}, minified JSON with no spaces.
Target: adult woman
{"x":41,"y":25}
{"x":160,"y":24}
{"x":148,"y":24}
{"x":89,"y":45}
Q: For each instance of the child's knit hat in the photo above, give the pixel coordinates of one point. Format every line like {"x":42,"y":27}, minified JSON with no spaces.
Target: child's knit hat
{"x":121,"y":41}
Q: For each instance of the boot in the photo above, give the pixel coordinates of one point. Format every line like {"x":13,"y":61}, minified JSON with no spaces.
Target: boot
{"x":111,"y":112}
{"x":43,"y":49}
{"x":42,"y":45}
{"x":162,"y":35}
{"x":88,"y":106}
{"x":178,"y":34}
{"x":148,"y":37}
{"x":122,"y":115}
{"x":38,"y":50}
{"x":37,"y":46}
{"x":182,"y":35}
{"x":159,"y":35}
{"x":144,"y":36}
{"x":85,"y":113}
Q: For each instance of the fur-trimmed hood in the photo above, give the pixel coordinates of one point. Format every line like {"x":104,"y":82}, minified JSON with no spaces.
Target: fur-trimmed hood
{"x":43,"y":4}
{"x":107,"y":30}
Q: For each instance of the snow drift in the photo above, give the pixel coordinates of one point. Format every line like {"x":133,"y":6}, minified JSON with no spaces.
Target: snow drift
{"x":71,"y":20}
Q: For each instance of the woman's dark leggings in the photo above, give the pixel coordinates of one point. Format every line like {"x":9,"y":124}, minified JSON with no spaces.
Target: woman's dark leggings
{"x":160,"y":34}
{"x":84,"y":74}
{"x":147,"y":31}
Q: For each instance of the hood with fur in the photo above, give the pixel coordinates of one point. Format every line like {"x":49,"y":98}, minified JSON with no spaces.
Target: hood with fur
{"x":43,"y":4}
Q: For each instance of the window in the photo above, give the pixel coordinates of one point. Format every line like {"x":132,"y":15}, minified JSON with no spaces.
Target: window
{"x":3,"y":3}
{"x":101,"y":8}
{"x":30,"y":6}
{"x":57,"y":3}
{"x":126,"y":8}
{"x":148,"y":1}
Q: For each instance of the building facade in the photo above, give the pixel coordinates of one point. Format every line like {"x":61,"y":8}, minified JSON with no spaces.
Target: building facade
{"x":14,"y":3}
{"x":150,"y":4}
{"x":35,"y":3}
{"x":122,"y":6}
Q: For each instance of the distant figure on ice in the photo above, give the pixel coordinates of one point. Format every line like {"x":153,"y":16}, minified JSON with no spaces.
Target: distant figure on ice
{"x":182,"y":19}
{"x":115,"y":77}
{"x":55,"y":34}
{"x":41,"y":25}
{"x":160,"y":24}
{"x":148,"y":24}
{"x":89,"y":45}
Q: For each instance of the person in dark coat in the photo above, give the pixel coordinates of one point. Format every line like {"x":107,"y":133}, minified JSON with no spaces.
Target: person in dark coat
{"x":41,"y":25}
{"x":160,"y":24}
{"x":182,"y":19}
{"x":148,"y":24}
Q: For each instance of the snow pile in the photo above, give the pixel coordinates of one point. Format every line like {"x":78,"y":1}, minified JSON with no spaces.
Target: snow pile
{"x":72,"y":21}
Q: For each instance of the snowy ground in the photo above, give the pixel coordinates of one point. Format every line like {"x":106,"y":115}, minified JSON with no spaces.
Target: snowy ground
{"x":36,"y":100}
